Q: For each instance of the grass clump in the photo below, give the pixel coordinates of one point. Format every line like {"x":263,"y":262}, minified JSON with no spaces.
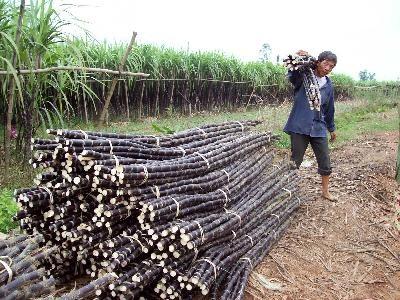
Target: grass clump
{"x":8,"y":208}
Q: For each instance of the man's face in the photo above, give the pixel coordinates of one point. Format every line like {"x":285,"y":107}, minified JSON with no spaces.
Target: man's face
{"x":324,"y":67}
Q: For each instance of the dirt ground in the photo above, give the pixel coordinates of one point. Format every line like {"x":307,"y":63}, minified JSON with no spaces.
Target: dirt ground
{"x":344,"y":250}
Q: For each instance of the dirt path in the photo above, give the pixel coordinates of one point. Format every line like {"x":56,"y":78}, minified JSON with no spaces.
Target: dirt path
{"x":344,"y":250}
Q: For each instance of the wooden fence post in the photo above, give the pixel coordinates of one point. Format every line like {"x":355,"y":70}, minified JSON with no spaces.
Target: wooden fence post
{"x":115,"y":80}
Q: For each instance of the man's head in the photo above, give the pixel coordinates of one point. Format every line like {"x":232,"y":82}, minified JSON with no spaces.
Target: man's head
{"x":325,"y":64}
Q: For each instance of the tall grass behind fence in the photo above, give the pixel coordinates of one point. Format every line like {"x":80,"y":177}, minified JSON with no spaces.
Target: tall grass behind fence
{"x":179,"y":81}
{"x":187,"y":82}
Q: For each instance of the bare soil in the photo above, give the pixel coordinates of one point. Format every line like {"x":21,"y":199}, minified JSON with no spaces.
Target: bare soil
{"x":344,"y":250}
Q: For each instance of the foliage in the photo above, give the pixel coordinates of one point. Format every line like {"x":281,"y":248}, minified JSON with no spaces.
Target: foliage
{"x":342,"y":80}
{"x":366,"y":76}
{"x":43,"y":98}
{"x":162,"y":129}
{"x":265,"y":52}
{"x":8,"y":209}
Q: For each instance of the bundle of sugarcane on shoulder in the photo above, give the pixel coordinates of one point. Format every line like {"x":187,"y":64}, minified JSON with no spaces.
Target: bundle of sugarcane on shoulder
{"x":305,"y":64}
{"x":155,"y":217}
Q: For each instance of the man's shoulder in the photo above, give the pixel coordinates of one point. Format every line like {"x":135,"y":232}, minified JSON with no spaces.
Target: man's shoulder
{"x":329,"y":81}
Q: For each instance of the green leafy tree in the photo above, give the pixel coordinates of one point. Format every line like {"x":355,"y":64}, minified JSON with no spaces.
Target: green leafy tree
{"x":265,"y":52}
{"x":366,"y":76}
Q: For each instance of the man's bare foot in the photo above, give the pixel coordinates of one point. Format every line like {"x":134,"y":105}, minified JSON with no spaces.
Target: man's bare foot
{"x":329,"y":197}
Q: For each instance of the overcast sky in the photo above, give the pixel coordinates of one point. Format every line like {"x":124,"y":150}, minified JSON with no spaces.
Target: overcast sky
{"x":364,"y":34}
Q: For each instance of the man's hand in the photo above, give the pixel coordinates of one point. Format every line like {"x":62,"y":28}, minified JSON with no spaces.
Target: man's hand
{"x":333,"y":136}
{"x":302,"y":53}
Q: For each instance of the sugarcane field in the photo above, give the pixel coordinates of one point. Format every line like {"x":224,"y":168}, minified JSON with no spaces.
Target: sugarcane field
{"x":149,"y":153}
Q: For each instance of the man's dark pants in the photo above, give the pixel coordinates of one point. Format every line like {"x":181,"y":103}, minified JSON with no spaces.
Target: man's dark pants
{"x":299,"y":144}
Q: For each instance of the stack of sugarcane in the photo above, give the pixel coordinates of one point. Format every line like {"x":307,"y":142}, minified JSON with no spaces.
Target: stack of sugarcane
{"x":22,"y":267}
{"x":305,"y":64}
{"x":162,"y":217}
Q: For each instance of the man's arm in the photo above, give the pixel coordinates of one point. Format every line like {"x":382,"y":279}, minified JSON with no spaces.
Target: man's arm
{"x":295,"y":78}
{"x":330,"y":117}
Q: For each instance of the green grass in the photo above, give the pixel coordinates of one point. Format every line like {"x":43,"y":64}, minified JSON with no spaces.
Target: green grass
{"x":358,"y":118}
{"x":8,"y":208}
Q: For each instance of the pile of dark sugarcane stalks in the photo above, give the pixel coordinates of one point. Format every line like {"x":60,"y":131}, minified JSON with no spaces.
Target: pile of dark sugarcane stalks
{"x":159,"y":217}
{"x":22,"y":268}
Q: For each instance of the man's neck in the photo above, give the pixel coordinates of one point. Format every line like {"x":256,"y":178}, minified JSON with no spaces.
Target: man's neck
{"x":317,"y":74}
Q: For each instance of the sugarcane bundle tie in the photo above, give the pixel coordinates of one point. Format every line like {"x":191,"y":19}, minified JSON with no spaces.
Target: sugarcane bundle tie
{"x":227,"y":174}
{"x":202,"y":131}
{"x":111,"y":146}
{"x":49,"y":192}
{"x":157,"y":141}
{"x":146,"y":175}
{"x":156,"y":191}
{"x":276,"y":216}
{"x":248,"y":260}
{"x":201,"y":231}
{"x":241,"y":125}
{"x":109,"y":231}
{"x":177,"y":206}
{"x":85,"y":135}
{"x":251,"y":239}
{"x":289,"y":191}
{"x":129,"y":209}
{"x":298,"y":199}
{"x":7,"y":267}
{"x":132,"y":238}
{"x":196,"y":253}
{"x":226,"y":196}
{"x":116,"y":160}
{"x":212,"y":264}
{"x":275,"y":237}
{"x":234,"y":213}
{"x":234,"y":234}
{"x":183,"y":151}
{"x":204,"y":158}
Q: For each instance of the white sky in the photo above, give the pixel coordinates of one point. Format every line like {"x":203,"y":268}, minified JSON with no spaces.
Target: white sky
{"x":364,"y":34}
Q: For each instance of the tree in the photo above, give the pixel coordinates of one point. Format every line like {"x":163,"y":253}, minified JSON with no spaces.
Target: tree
{"x":265,"y":52}
{"x":366,"y":76}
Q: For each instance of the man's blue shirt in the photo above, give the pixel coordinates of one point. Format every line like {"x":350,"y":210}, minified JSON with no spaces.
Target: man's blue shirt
{"x":302,"y":119}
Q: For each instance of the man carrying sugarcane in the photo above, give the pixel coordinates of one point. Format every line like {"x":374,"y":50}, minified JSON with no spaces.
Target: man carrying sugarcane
{"x":313,"y":112}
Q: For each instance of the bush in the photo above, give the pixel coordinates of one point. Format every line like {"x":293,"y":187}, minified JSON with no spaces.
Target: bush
{"x":8,"y":208}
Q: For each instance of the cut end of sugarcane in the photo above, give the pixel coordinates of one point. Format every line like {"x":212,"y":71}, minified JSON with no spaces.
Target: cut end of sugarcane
{"x":185,"y":238}
{"x":194,"y":280}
